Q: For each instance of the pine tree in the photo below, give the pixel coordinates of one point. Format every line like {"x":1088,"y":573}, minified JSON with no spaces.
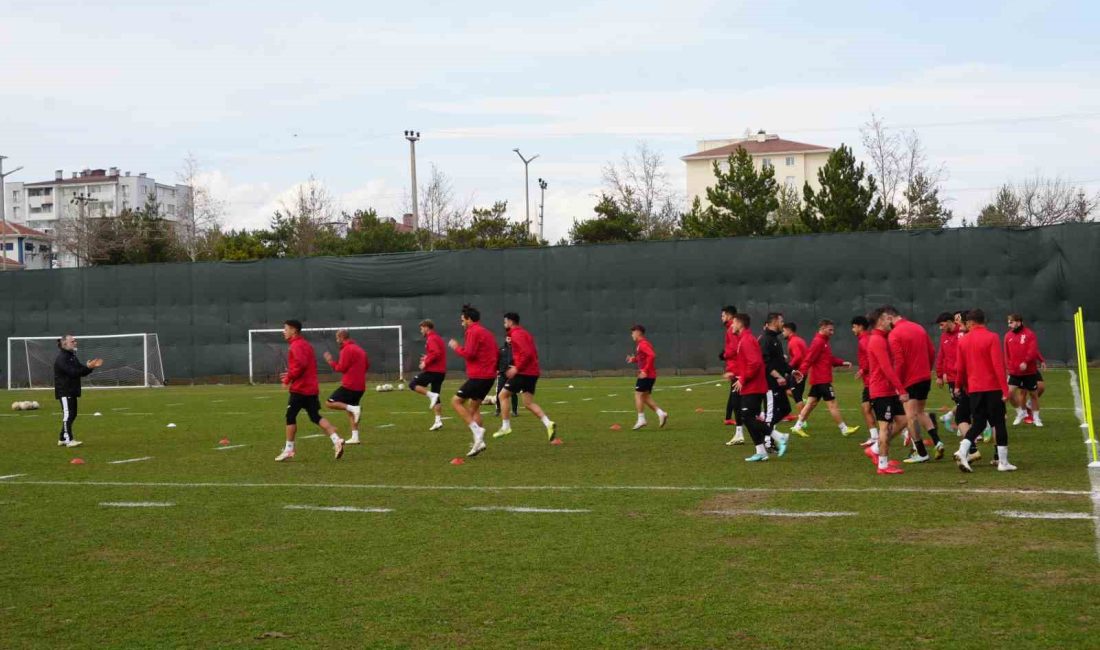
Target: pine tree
{"x":742,"y":201}
{"x":846,"y":201}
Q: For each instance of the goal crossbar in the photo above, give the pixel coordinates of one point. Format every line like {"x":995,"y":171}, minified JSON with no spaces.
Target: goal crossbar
{"x":357,"y":328}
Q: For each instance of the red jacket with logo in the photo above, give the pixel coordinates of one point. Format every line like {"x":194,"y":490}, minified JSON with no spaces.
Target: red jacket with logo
{"x":883,"y":380}
{"x":981,"y":363}
{"x":435,"y":353}
{"x":301,"y":368}
{"x":644,"y":358}
{"x":1022,"y":347}
{"x":480,"y":352}
{"x":912,"y":351}
{"x":525,"y":356}
{"x":948,"y":358}
{"x":729,"y":352}
{"x":352,"y":365}
{"x":819,"y":361}
{"x":750,"y":365}
{"x":796,"y":350}
{"x":861,"y":356}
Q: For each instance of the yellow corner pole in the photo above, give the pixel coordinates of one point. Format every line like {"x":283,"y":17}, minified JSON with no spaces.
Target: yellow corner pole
{"x":1082,"y":361}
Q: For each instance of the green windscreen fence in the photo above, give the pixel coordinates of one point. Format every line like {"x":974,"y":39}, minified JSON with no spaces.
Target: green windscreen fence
{"x":580,"y":301}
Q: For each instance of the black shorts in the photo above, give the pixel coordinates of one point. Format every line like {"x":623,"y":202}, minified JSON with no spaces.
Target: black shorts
{"x":797,"y":389}
{"x":962,"y":408}
{"x":887,"y":408}
{"x":433,"y":380}
{"x":823,"y":392}
{"x":308,"y":403}
{"x":644,"y":385}
{"x":750,"y":406}
{"x":866,"y":395}
{"x":1026,"y":382}
{"x":919,"y":391}
{"x":987,"y":407}
{"x":475,"y":389}
{"x":346,"y":396}
{"x":521,"y":384}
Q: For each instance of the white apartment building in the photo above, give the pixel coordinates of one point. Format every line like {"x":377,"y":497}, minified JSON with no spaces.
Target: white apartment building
{"x":795,"y":163}
{"x":103,"y":193}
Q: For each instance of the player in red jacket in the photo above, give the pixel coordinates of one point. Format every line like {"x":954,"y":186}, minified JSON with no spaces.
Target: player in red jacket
{"x":861,"y":329}
{"x":300,"y":380}
{"x":751,"y":382}
{"x":644,"y":357}
{"x":981,"y":370}
{"x":480,"y":353}
{"x":522,"y":376}
{"x":729,"y":359}
{"x":914,"y":355}
{"x":352,"y":365}
{"x":1023,"y":360}
{"x":796,"y":352}
{"x":887,"y":393}
{"x":818,"y":366}
{"x":433,"y":370}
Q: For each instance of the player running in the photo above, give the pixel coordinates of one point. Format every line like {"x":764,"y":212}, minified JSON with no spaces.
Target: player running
{"x":861,"y":328}
{"x":300,"y":380}
{"x":752,"y":386}
{"x":776,"y":372}
{"x":729,"y":358}
{"x":818,"y":365}
{"x":914,"y":356}
{"x":67,"y":371}
{"x":796,"y":352}
{"x":480,"y":353}
{"x":433,"y":369}
{"x":522,"y":375}
{"x":887,"y":393}
{"x":644,"y":358}
{"x":981,"y":370}
{"x":352,"y":365}
{"x":1023,"y":360}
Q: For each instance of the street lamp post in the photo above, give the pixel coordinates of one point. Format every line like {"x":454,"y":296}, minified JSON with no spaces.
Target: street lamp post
{"x":542,"y":205}
{"x":4,"y":217}
{"x":526,"y":186}
{"x":82,"y":201}
{"x":412,"y":137}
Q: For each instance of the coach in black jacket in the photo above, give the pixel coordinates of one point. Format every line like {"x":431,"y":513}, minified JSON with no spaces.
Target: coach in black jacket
{"x":776,"y":368}
{"x":67,"y":371}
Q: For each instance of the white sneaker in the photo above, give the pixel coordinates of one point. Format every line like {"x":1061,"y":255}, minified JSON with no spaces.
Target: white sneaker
{"x":662,"y":420}
{"x":433,"y":399}
{"x":1006,"y":467}
{"x":286,"y":455}
{"x":963,"y":464}
{"x":354,"y":440}
{"x":1036,"y":421}
{"x":476,"y":449}
{"x":1019,"y":418}
{"x":71,"y":443}
{"x":338,"y":449}
{"x":737,"y":439}
{"x":355,"y":411}
{"x":638,"y":425}
{"x":437,"y":426}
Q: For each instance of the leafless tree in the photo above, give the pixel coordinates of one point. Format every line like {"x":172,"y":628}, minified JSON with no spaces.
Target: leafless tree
{"x":200,"y":212}
{"x":438,"y":206}
{"x":301,"y":223}
{"x":1039,"y":201}
{"x":639,"y":183}
{"x":899,"y":162}
{"x":883,"y":148}
{"x":80,"y":231}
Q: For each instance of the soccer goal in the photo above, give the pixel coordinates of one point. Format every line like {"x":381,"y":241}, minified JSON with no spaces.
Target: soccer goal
{"x":384,"y":345}
{"x":129,"y":361}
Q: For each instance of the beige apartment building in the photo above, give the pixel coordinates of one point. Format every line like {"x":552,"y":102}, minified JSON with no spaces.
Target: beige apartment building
{"x":794,"y":162}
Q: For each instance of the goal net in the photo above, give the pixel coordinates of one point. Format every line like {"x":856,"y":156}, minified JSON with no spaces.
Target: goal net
{"x":384,"y":345}
{"x":129,"y":361}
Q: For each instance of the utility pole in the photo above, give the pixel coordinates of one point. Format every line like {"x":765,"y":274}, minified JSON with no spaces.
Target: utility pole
{"x":542,"y":205}
{"x":526,"y":186}
{"x":81,"y":201}
{"x":412,"y":137}
{"x":4,"y":217}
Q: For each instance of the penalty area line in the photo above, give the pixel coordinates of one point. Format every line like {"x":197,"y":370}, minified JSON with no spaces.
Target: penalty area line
{"x":337,"y":508}
{"x":525,"y":509}
{"x":778,"y":513}
{"x":129,"y":460}
{"x":137,"y":504}
{"x":1019,"y":514}
{"x":4,"y":478}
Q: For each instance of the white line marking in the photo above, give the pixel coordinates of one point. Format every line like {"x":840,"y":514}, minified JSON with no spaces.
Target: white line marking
{"x":1018,"y":514}
{"x":780,"y":513}
{"x":175,"y":404}
{"x":698,"y":383}
{"x":523,"y":509}
{"x":385,"y":426}
{"x":337,"y":508}
{"x":122,"y":408}
{"x":410,"y":412}
{"x":137,"y":504}
{"x":135,"y":413}
{"x":571,"y":488}
{"x":229,"y":447}
{"x":11,"y":476}
{"x":586,"y":399}
{"x":1094,"y":475}
{"x":612,"y":394}
{"x":129,"y":460}
{"x":218,"y":401}
{"x":618,"y":411}
{"x":315,"y":435}
{"x":561,"y":402}
{"x":264,"y":397}
{"x":235,"y":413}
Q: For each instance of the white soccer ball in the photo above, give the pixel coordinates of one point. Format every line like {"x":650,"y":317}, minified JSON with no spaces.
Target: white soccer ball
{"x":492,"y":399}
{"x":26,"y":406}
{"x":17,"y":406}
{"x":401,"y":387}
{"x":34,"y":405}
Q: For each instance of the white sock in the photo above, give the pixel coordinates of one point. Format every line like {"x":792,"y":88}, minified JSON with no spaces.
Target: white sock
{"x":873,"y":434}
{"x":439,"y":419}
{"x":883,"y":462}
{"x":1035,"y":414}
{"x":334,"y":437}
{"x":843,"y":427}
{"x":964,"y":448}
{"x":546,"y":420}
{"x":505,"y":423}
{"x":874,"y":448}
{"x":801,"y":423}
{"x":661,"y":413}
{"x":761,"y":451}
{"x":740,"y":430}
{"x":641,"y":417}
{"x":474,"y":428}
{"x":289,"y":445}
{"x":355,"y":433}
{"x":1002,"y":455}
{"x":1020,"y":411}
{"x":432,"y":395}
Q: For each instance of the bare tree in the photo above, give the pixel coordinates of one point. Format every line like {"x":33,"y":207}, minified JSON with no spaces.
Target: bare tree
{"x":438,"y":206}
{"x":639,"y":183}
{"x":1039,"y":201}
{"x":300,"y":225}
{"x":900,"y":164}
{"x":200,"y":212}
{"x":883,"y":148}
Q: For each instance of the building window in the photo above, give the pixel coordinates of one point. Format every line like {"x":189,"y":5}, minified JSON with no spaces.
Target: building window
{"x":28,"y":247}
{"x":43,"y":248}
{"x":790,"y":161}
{"x":765,"y":163}
{"x":47,"y":207}
{"x":9,"y":246}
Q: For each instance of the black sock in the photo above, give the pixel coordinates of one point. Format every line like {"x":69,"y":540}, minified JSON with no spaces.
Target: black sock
{"x":919,"y":445}
{"x":935,"y":436}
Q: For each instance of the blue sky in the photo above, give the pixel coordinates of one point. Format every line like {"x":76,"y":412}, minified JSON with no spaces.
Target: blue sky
{"x":266,"y":95}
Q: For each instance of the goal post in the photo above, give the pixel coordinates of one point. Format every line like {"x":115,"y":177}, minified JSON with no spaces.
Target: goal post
{"x":384,"y":345}
{"x":129,"y":360}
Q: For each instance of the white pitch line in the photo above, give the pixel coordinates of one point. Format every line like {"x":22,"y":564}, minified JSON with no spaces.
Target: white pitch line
{"x":122,"y":408}
{"x":1094,"y":474}
{"x":337,"y":508}
{"x":618,"y":411}
{"x":2,"y":478}
{"x":561,"y":402}
{"x":137,"y":504}
{"x":315,"y":435}
{"x":699,"y":383}
{"x":263,"y":397}
{"x":135,"y":413}
{"x":586,"y":399}
{"x":779,"y":513}
{"x":612,"y":394}
{"x":1018,"y":514}
{"x":175,"y":404}
{"x":235,"y":413}
{"x":385,"y":426}
{"x":218,"y":401}
{"x":129,"y":460}
{"x":229,"y":447}
{"x":525,"y":509}
{"x":568,"y":488}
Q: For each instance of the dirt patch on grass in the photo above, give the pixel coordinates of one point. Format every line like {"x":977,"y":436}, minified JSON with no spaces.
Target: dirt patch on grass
{"x":733,"y":501}
{"x":982,"y":534}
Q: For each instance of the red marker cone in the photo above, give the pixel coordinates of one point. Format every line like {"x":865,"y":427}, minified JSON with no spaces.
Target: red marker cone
{"x":556,"y":441}
{"x":223,"y":442}
{"x":77,"y":461}
{"x":700,"y":410}
{"x":615,"y":427}
{"x":458,"y":461}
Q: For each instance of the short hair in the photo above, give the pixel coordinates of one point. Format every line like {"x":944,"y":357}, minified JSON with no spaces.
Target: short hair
{"x":471,"y":312}
{"x":961,"y":314}
{"x":62,"y":339}
{"x":824,"y":322}
{"x":975,"y":316}
{"x":790,"y":325}
{"x":945,"y":317}
{"x":427,"y":322}
{"x":729,"y":309}
{"x":1016,"y":317}
{"x":890,"y":310}
{"x":875,"y":315}
{"x":861,"y":321}
{"x":743,"y":319}
{"x":637,"y":328}
{"x":343,"y":333}
{"x":772,"y":315}
{"x":512,"y":316}
{"x":296,"y":324}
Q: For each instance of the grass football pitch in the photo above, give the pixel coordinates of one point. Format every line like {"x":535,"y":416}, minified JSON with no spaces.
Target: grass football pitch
{"x":656,"y":538}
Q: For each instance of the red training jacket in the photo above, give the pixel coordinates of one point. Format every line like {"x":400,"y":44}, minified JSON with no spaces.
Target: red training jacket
{"x":750,"y":364}
{"x":912,"y":351}
{"x":480,"y":352}
{"x":948,"y":358}
{"x":729,"y":353}
{"x":435,"y":353}
{"x":301,"y":373}
{"x":796,"y":350}
{"x":1022,"y":347}
{"x":352,"y":365}
{"x":861,"y":356}
{"x":883,"y":380}
{"x":525,"y":356}
{"x":644,"y":358}
{"x":981,"y":366}
{"x":819,"y":361}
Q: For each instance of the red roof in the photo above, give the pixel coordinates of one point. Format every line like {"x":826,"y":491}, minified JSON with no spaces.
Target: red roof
{"x":12,"y":263}
{"x":16,"y":230}
{"x":756,"y":148}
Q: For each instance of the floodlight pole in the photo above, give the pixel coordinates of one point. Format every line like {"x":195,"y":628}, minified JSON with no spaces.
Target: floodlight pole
{"x":542,"y":205}
{"x":4,"y":217}
{"x":412,"y":137}
{"x":526,"y":186}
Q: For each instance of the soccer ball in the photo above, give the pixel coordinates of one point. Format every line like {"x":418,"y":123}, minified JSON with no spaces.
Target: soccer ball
{"x":17,"y":406}
{"x":34,"y":405}
{"x":401,"y":387}
{"x":492,"y":399}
